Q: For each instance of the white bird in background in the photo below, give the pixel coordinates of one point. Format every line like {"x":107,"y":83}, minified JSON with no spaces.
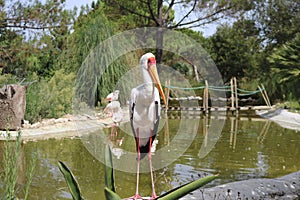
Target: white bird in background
{"x":145,"y":113}
{"x":114,"y":96}
{"x":115,"y":110}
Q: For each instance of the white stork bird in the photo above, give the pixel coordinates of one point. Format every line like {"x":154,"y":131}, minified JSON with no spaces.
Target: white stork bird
{"x":115,"y":110}
{"x":114,"y":96}
{"x":145,"y":113}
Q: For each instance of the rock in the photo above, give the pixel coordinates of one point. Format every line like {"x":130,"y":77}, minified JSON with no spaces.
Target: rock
{"x":12,"y":106}
{"x":285,"y":187}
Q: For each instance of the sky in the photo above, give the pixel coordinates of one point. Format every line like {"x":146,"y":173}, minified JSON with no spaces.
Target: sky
{"x":78,"y":3}
{"x":207,"y":30}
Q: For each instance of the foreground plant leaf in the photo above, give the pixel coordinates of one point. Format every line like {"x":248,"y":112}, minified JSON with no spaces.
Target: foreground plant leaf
{"x":109,"y":172}
{"x":110,"y":195}
{"x":183,"y":190}
{"x":71,"y":181}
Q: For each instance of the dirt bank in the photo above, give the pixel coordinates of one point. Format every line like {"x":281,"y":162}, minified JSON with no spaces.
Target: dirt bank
{"x":67,"y":126}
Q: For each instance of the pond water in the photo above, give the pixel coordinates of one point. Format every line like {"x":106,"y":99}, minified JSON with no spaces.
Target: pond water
{"x":237,"y":148}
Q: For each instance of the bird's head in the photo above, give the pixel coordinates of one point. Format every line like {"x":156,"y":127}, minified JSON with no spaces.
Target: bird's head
{"x":148,"y":62}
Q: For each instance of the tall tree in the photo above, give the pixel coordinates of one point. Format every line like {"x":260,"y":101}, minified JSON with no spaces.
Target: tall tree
{"x":278,"y":20}
{"x":191,"y":13}
{"x":30,"y":35}
{"x":90,"y":29}
{"x":234,"y":49}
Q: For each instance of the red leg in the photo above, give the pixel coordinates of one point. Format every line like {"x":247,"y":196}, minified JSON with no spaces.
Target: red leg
{"x":137,"y":196}
{"x":116,"y":131}
{"x":112,"y":131}
{"x":154,"y":196}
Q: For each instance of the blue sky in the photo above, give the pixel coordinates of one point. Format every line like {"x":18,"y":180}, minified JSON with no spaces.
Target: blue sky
{"x":207,"y":31}
{"x":71,"y":3}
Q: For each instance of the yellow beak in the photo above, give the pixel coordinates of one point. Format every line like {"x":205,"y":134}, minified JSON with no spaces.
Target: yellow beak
{"x":155,"y":78}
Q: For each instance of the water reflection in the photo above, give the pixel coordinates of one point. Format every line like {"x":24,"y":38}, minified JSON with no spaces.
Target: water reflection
{"x":247,"y":147}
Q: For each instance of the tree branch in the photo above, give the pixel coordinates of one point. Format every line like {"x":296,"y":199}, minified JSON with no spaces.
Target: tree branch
{"x":133,"y":12}
{"x":165,"y":17}
{"x":152,"y":13}
{"x":201,"y":18}
{"x":188,"y":13}
{"x":30,"y":27}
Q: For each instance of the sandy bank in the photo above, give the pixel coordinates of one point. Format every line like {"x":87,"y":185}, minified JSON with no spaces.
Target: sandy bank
{"x":67,"y":126}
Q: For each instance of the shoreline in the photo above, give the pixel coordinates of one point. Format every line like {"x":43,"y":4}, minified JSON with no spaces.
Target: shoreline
{"x":71,"y":126}
{"x":66,"y":127}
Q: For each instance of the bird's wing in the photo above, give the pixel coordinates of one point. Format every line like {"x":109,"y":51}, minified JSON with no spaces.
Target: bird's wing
{"x":156,"y":121}
{"x":131,"y":109}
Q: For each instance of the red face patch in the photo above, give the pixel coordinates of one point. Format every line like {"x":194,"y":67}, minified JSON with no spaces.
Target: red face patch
{"x":151,"y":61}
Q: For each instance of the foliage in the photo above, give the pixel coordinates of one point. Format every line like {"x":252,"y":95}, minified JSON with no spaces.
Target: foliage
{"x":89,"y":31}
{"x":278,"y":20}
{"x":11,"y":163}
{"x":71,"y":181}
{"x":30,"y":37}
{"x":286,"y":68}
{"x":50,"y":99}
{"x":234,"y":49}
{"x":109,"y":190}
{"x":39,"y":38}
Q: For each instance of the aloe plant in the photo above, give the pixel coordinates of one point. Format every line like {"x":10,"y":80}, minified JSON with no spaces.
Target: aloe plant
{"x":71,"y":181}
{"x":109,"y":189}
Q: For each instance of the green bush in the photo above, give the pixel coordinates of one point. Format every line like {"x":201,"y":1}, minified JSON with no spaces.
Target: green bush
{"x":50,"y":99}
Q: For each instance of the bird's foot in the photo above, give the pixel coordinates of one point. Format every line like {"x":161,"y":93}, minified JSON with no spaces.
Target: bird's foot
{"x":136,"y":196}
{"x":154,"y":196}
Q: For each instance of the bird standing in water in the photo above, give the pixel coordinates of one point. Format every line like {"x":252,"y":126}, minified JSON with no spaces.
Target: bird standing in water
{"x":115,"y":110}
{"x":145,"y":113}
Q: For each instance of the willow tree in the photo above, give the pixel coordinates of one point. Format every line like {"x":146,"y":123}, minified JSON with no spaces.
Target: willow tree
{"x":90,"y":29}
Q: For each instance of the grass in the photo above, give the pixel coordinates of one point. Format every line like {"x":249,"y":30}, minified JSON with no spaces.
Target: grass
{"x":11,"y":164}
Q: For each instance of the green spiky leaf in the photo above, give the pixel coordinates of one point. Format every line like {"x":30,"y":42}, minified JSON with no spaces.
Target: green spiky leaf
{"x":71,"y":181}
{"x":110,"y":195}
{"x":187,"y":188}
{"x":109,"y":172}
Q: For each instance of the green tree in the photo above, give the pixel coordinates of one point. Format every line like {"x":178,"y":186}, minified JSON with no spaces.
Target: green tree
{"x":90,"y":29}
{"x":29,"y":33}
{"x":285,"y":67}
{"x":278,"y":20}
{"x":193,"y":13}
{"x":234,"y":50}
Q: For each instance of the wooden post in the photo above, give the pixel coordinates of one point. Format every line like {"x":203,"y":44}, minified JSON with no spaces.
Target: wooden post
{"x":235,"y":132}
{"x":167,"y":94}
{"x":236,"y":95}
{"x":231,"y":131}
{"x":206,"y":101}
{"x":263,"y":95}
{"x":266,"y":95}
{"x":232,"y":94}
{"x":167,"y":135}
{"x":205,"y":130}
{"x":205,"y":98}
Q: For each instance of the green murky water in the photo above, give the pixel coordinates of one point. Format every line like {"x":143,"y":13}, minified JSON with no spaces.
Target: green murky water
{"x":245,"y":147}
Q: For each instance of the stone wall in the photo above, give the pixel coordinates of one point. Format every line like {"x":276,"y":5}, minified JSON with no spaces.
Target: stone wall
{"x":12,"y":106}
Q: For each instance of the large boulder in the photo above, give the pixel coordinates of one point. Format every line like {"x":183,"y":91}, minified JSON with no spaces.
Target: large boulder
{"x":12,"y":106}
{"x":286,"y":188}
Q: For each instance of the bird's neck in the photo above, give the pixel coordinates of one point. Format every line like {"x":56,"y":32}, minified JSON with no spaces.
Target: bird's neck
{"x":146,"y":76}
{"x":148,"y":83}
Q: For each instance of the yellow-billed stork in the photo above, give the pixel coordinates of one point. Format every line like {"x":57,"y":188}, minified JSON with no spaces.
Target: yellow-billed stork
{"x":145,"y":113}
{"x":112,"y":96}
{"x":115,"y":111}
